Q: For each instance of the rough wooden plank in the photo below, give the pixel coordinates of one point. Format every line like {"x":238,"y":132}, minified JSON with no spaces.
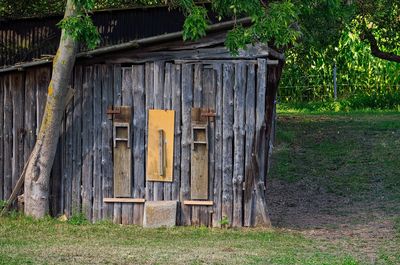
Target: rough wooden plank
{"x":125,"y":200}
{"x":168,"y":106}
{"x":42,"y":79}
{"x":87,"y":142}
{"x":17,"y":90}
{"x":159,"y":104}
{"x":77,"y":142}
{"x":117,"y":100}
{"x":127,"y":100}
{"x":239,"y":133}
{"x":217,"y":209}
{"x":187,"y":98}
{"x":260,"y":211}
{"x":149,"y":90}
{"x":30,"y":113}
{"x":110,"y":82}
{"x":55,"y":184}
{"x":99,"y":74}
{"x":250,"y":129}
{"x":227,"y":142}
{"x":139,"y":152}
{"x":200,"y":152}
{"x":2,"y":91}
{"x":67,"y":166}
{"x":202,"y":203}
{"x":176,"y":105}
{"x":209,"y":95}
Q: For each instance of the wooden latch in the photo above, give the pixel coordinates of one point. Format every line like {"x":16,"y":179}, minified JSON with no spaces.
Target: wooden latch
{"x":208,"y":113}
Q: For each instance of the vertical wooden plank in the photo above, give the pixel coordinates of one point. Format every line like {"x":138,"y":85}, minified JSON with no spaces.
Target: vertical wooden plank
{"x":209,"y":87}
{"x":67,"y":166}
{"x":250,"y":129}
{"x":127,"y":100}
{"x":239,"y":133}
{"x":167,"y":105}
{"x":55,"y":183}
{"x":17,"y":90}
{"x":197,"y":103}
{"x":42,"y":79}
{"x":187,"y":98}
{"x":8,"y":137}
{"x":117,"y":102}
{"x":99,"y":76}
{"x":217,"y":215}
{"x":30,"y":113}
{"x":227,"y":142}
{"x":149,"y":86}
{"x":87,"y":142}
{"x":159,"y":104}
{"x":176,"y":105}
{"x":111,"y":82}
{"x":139,"y":152}
{"x":260,"y":213}
{"x":77,"y":142}
{"x":2,"y":90}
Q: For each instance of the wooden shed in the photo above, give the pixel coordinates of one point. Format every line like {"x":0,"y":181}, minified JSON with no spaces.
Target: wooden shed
{"x":152,"y":119}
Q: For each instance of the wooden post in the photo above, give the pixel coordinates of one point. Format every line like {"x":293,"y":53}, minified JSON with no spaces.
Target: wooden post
{"x":227,"y":145}
{"x":238,"y":128}
{"x":187,"y":98}
{"x":139,"y":152}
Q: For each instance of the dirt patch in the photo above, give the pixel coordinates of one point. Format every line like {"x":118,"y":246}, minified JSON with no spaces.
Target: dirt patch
{"x":358,"y":215}
{"x":362,"y":228}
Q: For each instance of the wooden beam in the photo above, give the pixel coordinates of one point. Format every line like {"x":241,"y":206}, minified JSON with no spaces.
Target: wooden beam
{"x":131,"y":200}
{"x":201,"y":203}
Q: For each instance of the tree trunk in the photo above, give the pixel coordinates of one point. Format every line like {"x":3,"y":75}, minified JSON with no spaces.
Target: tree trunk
{"x":37,"y":177}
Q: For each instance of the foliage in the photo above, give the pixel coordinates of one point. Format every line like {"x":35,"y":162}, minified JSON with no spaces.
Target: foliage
{"x":2,"y":204}
{"x":224,"y":221}
{"x":309,"y":76}
{"x":78,"y":219}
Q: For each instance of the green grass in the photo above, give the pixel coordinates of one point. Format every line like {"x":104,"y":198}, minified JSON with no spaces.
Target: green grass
{"x":48,"y":241}
{"x":349,"y":154}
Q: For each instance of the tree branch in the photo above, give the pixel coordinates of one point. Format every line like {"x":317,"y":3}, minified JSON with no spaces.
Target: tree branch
{"x":376,"y":51}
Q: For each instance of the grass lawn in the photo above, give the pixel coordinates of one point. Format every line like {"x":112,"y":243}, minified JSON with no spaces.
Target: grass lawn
{"x":334,"y":198}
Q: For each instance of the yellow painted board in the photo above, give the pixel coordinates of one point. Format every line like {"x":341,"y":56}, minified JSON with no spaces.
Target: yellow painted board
{"x":160,"y":120}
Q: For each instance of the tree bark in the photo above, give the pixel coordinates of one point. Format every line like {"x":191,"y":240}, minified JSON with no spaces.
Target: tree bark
{"x":376,"y":51}
{"x":37,"y":177}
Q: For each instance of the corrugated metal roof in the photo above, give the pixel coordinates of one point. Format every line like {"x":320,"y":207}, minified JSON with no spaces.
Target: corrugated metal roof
{"x":25,"y":40}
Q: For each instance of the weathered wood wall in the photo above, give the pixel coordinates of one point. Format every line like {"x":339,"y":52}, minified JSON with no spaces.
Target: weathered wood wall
{"x":83,"y":171}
